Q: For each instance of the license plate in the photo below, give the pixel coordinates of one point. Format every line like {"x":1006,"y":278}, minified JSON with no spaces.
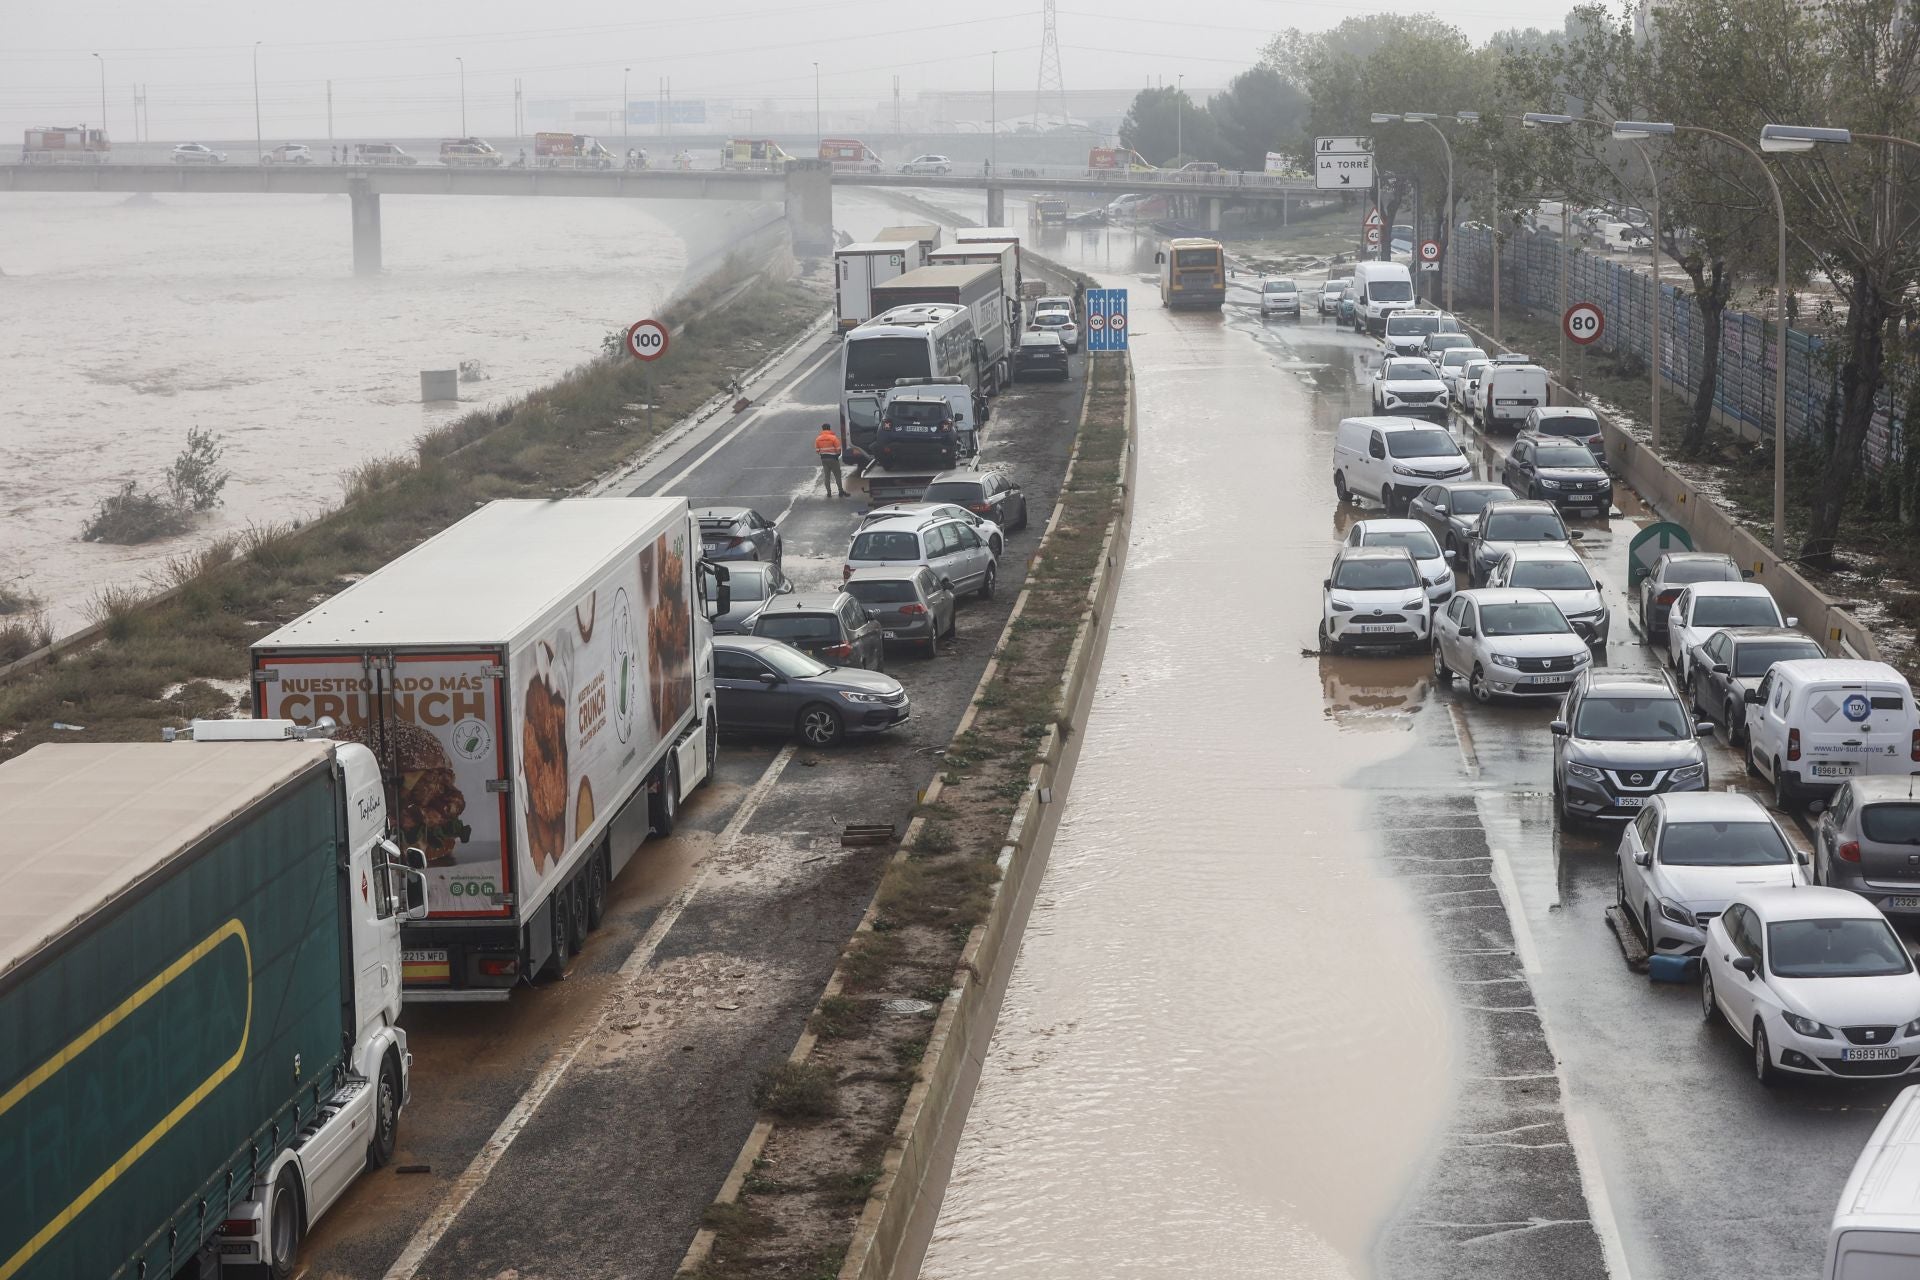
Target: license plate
{"x":1877,"y":1054}
{"x":1903,"y":904}
{"x":1834,"y":769}
{"x":1374,"y":628}
{"x":712,"y":546}
{"x":438,"y":956}
{"x":889,"y":635}
{"x":1630,"y":802}
{"x":1545,"y":679}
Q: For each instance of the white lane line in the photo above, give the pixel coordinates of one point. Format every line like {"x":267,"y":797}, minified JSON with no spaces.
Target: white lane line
{"x":779,"y":403}
{"x":475,"y":1175}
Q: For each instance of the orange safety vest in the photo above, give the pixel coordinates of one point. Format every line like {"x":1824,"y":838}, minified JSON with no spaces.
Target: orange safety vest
{"x":826,"y":442}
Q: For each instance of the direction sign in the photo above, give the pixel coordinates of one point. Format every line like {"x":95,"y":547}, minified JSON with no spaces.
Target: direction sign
{"x":1341,"y":146}
{"x":1349,"y":171}
{"x":1106,"y":319}
{"x":647,"y":339}
{"x":1649,"y":544}
{"x":1429,"y":251}
{"x":1374,"y":219}
{"x":1584,"y":322}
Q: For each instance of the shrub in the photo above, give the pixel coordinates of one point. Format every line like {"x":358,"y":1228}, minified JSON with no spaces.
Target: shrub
{"x":131,"y":515}
{"x":195,"y":480}
{"x":22,"y":634}
{"x":375,"y":474}
{"x":797,"y":1090}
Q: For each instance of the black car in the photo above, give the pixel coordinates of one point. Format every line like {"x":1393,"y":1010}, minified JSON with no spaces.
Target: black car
{"x":829,"y":625}
{"x":737,"y":533}
{"x":768,"y":686}
{"x":749,"y":586}
{"x":1452,"y":510}
{"x":1621,"y":738}
{"x":985,"y":493}
{"x":1731,"y":661}
{"x":1557,"y":471}
{"x":917,"y":431}
{"x":1040,"y":352}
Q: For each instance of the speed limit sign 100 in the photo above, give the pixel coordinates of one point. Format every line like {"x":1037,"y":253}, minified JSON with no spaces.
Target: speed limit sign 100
{"x":1584,"y":323}
{"x":647,"y":339}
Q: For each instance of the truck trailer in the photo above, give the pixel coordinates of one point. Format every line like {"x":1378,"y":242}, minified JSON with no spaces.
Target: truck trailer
{"x":926,"y":234}
{"x":857,"y":268}
{"x":523,"y":677}
{"x":979,"y":288}
{"x":199,"y":995}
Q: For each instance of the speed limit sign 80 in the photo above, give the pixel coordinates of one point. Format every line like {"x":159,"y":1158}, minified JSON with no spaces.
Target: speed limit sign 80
{"x":647,"y":339}
{"x":1583,"y":323}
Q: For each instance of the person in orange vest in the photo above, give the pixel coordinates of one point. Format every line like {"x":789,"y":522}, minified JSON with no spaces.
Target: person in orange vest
{"x":827,"y":445}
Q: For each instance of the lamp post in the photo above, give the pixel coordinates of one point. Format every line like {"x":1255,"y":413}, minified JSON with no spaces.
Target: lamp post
{"x":624,"y":113}
{"x":818,"y":135}
{"x":463,"y":94}
{"x":1428,"y":118}
{"x":993,"y":94}
{"x":103,"y":97}
{"x":1791,"y":138}
{"x":1179,"y":118}
{"x":259,"y":142}
{"x":1639,"y":131}
{"x":1537,"y":119}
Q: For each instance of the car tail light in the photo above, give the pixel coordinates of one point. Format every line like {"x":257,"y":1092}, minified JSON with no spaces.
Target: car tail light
{"x":734,"y":542}
{"x":1666,"y":597}
{"x":915,"y":610}
{"x":980,"y":508}
{"x":239,"y":1227}
{"x":839,"y":651}
{"x":502,"y":968}
{"x":1848,"y":852}
{"x":846,"y":571}
{"x":1793,"y":744}
{"x":1915,"y":754}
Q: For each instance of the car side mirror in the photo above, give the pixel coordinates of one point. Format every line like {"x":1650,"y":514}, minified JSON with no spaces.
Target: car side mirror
{"x":769,"y":678}
{"x":1576,"y":534}
{"x":1466,"y":633}
{"x":1703,"y":728}
{"x":1746,"y":573}
{"x":1327,"y":583}
{"x":1642,"y":858}
{"x":1745,"y":964}
{"x":1721,"y":669}
{"x":1753,"y":697}
{"x":1559,"y":729}
{"x":1450,"y":555}
{"x":1793,"y":622}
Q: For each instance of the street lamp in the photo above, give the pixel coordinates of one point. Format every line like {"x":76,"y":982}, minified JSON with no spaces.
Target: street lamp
{"x":1428,"y":118}
{"x":463,"y":94}
{"x":1640,"y":131}
{"x":818,"y":135}
{"x":993,"y":93}
{"x":1179,"y":118}
{"x":103,"y":99}
{"x":259,"y":143}
{"x":624,"y":112}
{"x":1537,"y":119}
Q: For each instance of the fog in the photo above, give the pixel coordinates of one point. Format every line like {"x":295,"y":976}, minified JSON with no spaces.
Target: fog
{"x":393,"y":70}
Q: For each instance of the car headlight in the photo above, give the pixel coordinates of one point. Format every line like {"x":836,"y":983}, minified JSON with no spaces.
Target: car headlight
{"x":1807,"y":1026}
{"x":1690,"y":773}
{"x":1582,"y":658}
{"x":1505,"y":660}
{"x":1549,"y":484}
{"x":1676,"y":913}
{"x":1911,"y":1029}
{"x":1418,"y":602}
{"x":1404,"y":471}
{"x":854,"y":695}
{"x":1342,"y":608}
{"x":1587,"y":771}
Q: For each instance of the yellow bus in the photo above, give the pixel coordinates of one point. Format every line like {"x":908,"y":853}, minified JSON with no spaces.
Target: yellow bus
{"x":1193,"y":273}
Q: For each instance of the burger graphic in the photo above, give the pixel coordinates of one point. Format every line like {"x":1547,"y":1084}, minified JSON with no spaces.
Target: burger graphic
{"x":424,"y":800}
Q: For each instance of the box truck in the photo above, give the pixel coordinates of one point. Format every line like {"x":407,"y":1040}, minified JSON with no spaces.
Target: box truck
{"x":987,"y":238}
{"x":522,"y":677}
{"x":859,"y":267}
{"x":199,"y":994}
{"x":926,"y":234}
{"x":999,"y":254}
{"x":976,"y":286}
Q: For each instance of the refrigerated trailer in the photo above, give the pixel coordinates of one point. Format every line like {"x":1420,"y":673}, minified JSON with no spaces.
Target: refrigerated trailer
{"x":199,"y":995}
{"x":537,"y":684}
{"x":857,"y":268}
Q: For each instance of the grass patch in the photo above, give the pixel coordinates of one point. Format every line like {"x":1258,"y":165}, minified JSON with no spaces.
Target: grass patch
{"x":797,"y":1091}
{"x":22,"y":634}
{"x":841,"y":1016}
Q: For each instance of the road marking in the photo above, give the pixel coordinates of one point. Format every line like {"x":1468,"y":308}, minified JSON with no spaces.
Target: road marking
{"x":779,"y":403}
{"x":475,"y":1175}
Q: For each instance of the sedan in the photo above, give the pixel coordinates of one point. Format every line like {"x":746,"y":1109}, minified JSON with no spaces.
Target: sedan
{"x":1686,"y":856}
{"x":1507,"y":643}
{"x":288,"y":153}
{"x":992,"y":494}
{"x":1463,"y":384}
{"x":1868,"y":842}
{"x":196,"y":153}
{"x":738,"y":533}
{"x":1672,"y":572}
{"x":1436,"y":569}
{"x":1816,"y":981}
{"x":1409,"y":387}
{"x":927,"y":164}
{"x":768,"y":686}
{"x":1452,"y":511}
{"x":1735,"y":659}
{"x":1620,"y":740}
{"x":1557,"y":570}
{"x":1705,"y":607}
{"x":749,"y":587}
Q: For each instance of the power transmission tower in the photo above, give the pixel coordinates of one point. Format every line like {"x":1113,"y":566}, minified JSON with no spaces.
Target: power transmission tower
{"x":1051,"y":81}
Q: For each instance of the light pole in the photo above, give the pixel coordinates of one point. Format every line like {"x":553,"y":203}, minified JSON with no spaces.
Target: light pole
{"x":1428,"y":118}
{"x":624,"y":113}
{"x":103,"y":98}
{"x":1536,"y":119}
{"x":463,"y":94}
{"x":259,"y":142}
{"x":1639,"y":131}
{"x":993,"y":109}
{"x":1179,"y":118}
{"x":818,"y":136}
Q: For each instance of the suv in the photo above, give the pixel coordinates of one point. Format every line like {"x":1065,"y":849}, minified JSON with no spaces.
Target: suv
{"x":1373,"y":596}
{"x":1621,"y":737}
{"x":927,"y":164}
{"x":1060,"y":321}
{"x":1507,"y":643}
{"x":738,"y":533}
{"x":197,"y":153}
{"x":1670,"y":574}
{"x":917,"y":430}
{"x":1040,"y":351}
{"x":1582,"y":426}
{"x":985,"y":493}
{"x":1279,"y":298}
{"x":288,"y":153}
{"x":1558,"y":471}
{"x":1409,"y":386}
{"x":833,"y":627}
{"x":953,"y":549}
{"x":1407,"y":330}
{"x":908,"y":602}
{"x":1506,"y":525}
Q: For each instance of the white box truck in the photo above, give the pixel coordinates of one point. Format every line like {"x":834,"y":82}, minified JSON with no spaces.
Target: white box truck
{"x":925,"y":234}
{"x":522,"y":677}
{"x":857,"y":268}
{"x":998,"y":254}
{"x":1875,"y":1233}
{"x":987,"y":237}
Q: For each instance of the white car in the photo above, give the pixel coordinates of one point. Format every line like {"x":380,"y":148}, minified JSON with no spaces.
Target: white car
{"x":955,"y":550}
{"x":1508,"y":643}
{"x":288,"y":153}
{"x":1059,"y":323}
{"x":1372,"y":596}
{"x":988,"y":529}
{"x":1816,"y":981}
{"x":1409,"y":387}
{"x":1464,"y":386}
{"x":1705,"y":607}
{"x":1330,"y":294}
{"x":1407,"y":330}
{"x":1559,"y":572}
{"x":927,"y":164}
{"x":1690,"y":853}
{"x":1436,"y":568}
{"x":1279,"y":298}
{"x":1452,"y":361}
{"x":197,"y":153}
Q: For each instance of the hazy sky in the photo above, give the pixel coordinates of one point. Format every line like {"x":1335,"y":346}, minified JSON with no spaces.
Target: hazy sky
{"x":393,"y":70}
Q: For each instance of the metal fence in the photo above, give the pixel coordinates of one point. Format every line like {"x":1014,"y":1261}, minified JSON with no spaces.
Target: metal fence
{"x":1530,"y":274}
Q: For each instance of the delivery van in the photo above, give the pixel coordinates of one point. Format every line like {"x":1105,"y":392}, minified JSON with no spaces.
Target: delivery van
{"x":1380,"y":289}
{"x":1875,"y":1234}
{"x":1815,"y":722}
{"x":1508,"y":394}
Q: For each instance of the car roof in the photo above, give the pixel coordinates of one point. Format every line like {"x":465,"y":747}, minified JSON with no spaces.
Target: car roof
{"x":1467,"y":486}
{"x":807,"y":602}
{"x":1566,"y":412}
{"x":1373,"y":553}
{"x":1521,"y":504}
{"x":915,"y":520}
{"x":884,"y":572}
{"x":1684,"y":557}
{"x":1809,"y":902}
{"x":1728,"y":589}
{"x":750,"y":568}
{"x":1711,"y":806}
{"x":1853,"y":670}
{"x":720,"y":513}
{"x":1545,"y":551}
{"x":1879,"y":787}
{"x":1417,"y":311}
{"x":1508,"y":595}
{"x":1628,"y":684}
{"x":1741,"y":634}
{"x":1388,"y":422}
{"x":1388,"y":525}
{"x":963,"y":473}
{"x":1040,"y":338}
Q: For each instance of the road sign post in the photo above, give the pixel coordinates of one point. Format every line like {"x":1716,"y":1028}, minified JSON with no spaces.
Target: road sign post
{"x":1583,"y":323}
{"x":646,"y":342}
{"x":1429,"y":255}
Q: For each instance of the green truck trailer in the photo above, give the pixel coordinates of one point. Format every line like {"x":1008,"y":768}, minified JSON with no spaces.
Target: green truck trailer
{"x":199,"y":983}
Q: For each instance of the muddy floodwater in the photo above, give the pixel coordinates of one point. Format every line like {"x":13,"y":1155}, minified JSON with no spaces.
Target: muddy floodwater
{"x":1222,"y":1051}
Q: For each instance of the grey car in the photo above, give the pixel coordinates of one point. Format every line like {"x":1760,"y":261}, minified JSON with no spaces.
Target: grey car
{"x":1868,"y":841}
{"x":909,"y":603}
{"x":989,"y":493}
{"x":982,"y":525}
{"x":1732,"y":660}
{"x":1672,"y":573}
{"x":1504,"y":526}
{"x":1453,"y":510}
{"x":749,"y":586}
{"x":829,"y":625}
{"x":1621,"y":738}
{"x":768,"y":686}
{"x":737,"y":533}
{"x":1557,"y":471}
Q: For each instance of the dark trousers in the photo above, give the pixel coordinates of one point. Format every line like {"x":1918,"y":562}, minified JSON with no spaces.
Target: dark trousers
{"x":830,"y":471}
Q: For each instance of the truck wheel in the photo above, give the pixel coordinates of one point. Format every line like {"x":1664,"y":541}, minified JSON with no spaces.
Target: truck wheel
{"x":560,"y":907}
{"x":577,"y":911}
{"x":284,"y":1226}
{"x":663,"y":805}
{"x":386,"y":1116}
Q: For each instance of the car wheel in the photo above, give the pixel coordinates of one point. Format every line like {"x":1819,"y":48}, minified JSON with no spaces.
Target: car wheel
{"x":1340,"y":489}
{"x":1386,"y":498}
{"x":1619,"y":885}
{"x":285,"y":1227}
{"x":1753,"y":766}
{"x":1021,"y":527}
{"x":1442,"y":673}
{"x":819,"y":725}
{"x":1477,"y":685}
{"x":1782,"y":798}
{"x":1328,"y":645}
{"x":1707,"y":1006}
{"x":1763,"y":1068}
{"x":986,"y":583}
{"x":1733,"y":727}
{"x":663,"y":805}
{"x":1569,"y":820}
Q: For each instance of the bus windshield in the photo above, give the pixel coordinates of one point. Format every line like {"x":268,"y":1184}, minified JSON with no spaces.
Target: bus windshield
{"x":879,"y":362}
{"x":1196,"y":257}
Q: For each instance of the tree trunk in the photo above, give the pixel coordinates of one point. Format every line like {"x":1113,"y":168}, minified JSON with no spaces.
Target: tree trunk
{"x":1861,"y":375}
{"x":1711,"y":285}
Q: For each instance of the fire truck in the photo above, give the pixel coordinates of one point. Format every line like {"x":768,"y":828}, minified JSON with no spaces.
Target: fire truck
{"x":78,"y":145}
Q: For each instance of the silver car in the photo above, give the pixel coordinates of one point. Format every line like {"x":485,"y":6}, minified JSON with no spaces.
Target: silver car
{"x":1558,"y":571}
{"x":1622,"y":738}
{"x":1330,"y":292}
{"x":911,"y":605}
{"x":983,"y":525}
{"x":197,"y":153}
{"x":1279,"y":298}
{"x":1868,"y":842}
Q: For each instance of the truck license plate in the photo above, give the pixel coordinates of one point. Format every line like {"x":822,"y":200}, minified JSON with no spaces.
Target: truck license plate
{"x":1833,"y":769}
{"x":1877,"y":1054}
{"x":438,"y":956}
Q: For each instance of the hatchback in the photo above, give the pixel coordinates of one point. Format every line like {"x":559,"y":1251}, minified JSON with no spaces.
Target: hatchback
{"x":288,"y":153}
{"x":1735,"y":659}
{"x":749,"y":586}
{"x":1582,"y":426}
{"x":1506,"y":525}
{"x":738,"y":533}
{"x":992,"y":494}
{"x":1279,"y":298}
{"x":197,"y":153}
{"x":953,"y":549}
{"x":1436,"y":570}
{"x":910,"y":604}
{"x":830,"y":625}
{"x":1508,"y":643}
{"x":1705,"y":607}
{"x":996,"y":541}
{"x":768,"y":686}
{"x":1621,"y":739}
{"x":1868,"y":842}
{"x":1041,"y":351}
{"x":1453,"y":511}
{"x":1059,"y":323}
{"x":927,"y":164}
{"x":1670,"y":573}
{"x":1684,"y":857}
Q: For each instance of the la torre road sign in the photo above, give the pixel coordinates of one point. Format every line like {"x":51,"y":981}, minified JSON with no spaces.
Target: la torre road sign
{"x":1342,"y":164}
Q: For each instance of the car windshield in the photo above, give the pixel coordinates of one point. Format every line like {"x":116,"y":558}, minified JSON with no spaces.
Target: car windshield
{"x":1421,"y":444}
{"x":1631,"y":720}
{"x":1449,"y":342}
{"x":1281,"y":286}
{"x":1735,"y":611}
{"x":791,"y":662}
{"x":1376,"y":575}
{"x":1680,"y":571}
{"x":1418,"y":542}
{"x":1723,"y":844}
{"x":1459,"y":357}
{"x":1751,"y":661}
{"x":885,"y":544}
{"x":1471,"y":502}
{"x":1523,"y":526}
{"x":1891,"y":823}
{"x":1578,"y":428}
{"x":1551,"y":575}
{"x":798,"y":626}
{"x":960,"y":491}
{"x":1412,"y":326}
{"x":917,"y":413}
{"x":1835,"y":949}
{"x":1563,"y":455}
{"x":1523,"y":618}
{"x":718,"y":524}
{"x":1391,"y":291}
{"x":1405,"y":370}
{"x":1335,"y":286}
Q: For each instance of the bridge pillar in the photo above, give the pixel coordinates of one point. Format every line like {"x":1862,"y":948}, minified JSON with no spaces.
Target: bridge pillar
{"x":810,"y":207}
{"x":996,"y":206}
{"x":1213,"y":213}
{"x":366,"y":227}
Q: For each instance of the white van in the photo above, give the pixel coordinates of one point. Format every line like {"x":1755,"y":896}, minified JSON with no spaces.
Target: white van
{"x":1508,"y":393}
{"x":1380,"y":289}
{"x":1391,"y":459}
{"x":1815,"y":722}
{"x":1875,"y":1233}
